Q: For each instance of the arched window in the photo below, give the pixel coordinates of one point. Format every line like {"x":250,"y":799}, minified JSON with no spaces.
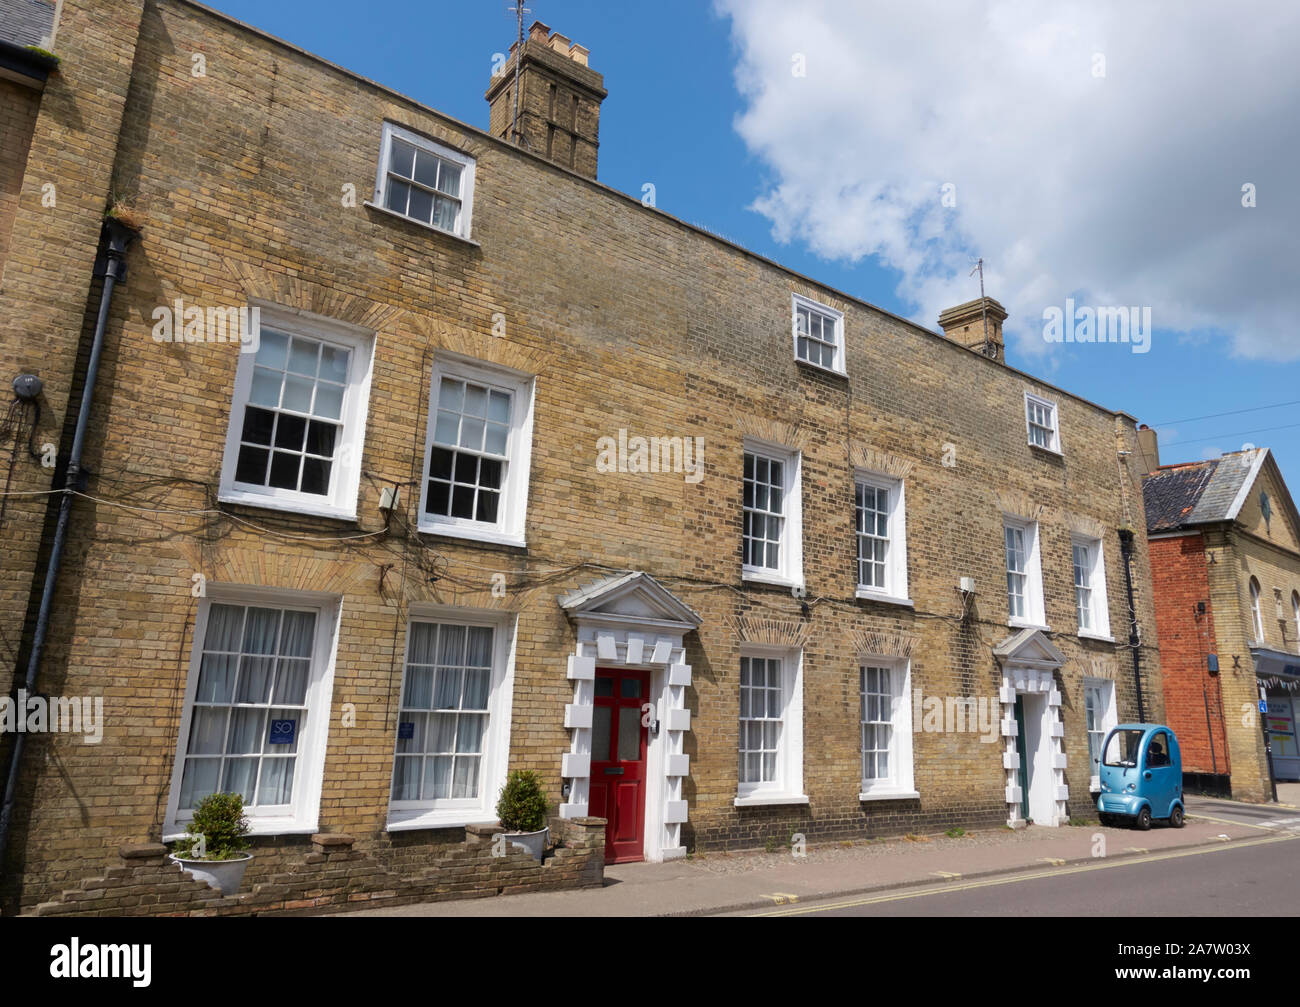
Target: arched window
{"x":1295,"y":611}
{"x":1254,"y":611}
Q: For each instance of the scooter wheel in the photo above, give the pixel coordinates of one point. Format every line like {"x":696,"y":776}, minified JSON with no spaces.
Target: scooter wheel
{"x":1176,"y":817}
{"x":1143,"y":820}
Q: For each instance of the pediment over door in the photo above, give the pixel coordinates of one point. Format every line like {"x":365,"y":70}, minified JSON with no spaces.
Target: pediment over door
{"x":1030,"y":648}
{"x":630,"y":599}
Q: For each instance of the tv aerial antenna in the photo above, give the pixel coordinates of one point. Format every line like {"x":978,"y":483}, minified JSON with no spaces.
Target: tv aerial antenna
{"x":519,"y":10}
{"x":988,"y":349}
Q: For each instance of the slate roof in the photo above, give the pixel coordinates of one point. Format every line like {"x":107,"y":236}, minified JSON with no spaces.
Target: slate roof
{"x":26,"y":22}
{"x":1196,"y":493}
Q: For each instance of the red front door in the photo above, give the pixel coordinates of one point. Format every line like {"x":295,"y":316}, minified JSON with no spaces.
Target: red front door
{"x":618,"y":745}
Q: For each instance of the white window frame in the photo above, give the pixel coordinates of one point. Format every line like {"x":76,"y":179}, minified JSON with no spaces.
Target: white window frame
{"x":1099,"y":610}
{"x":303,"y":815}
{"x":901,"y":783}
{"x":467,"y":165}
{"x":1295,"y":612}
{"x":798,"y":301}
{"x":1054,"y":444}
{"x":789,"y":572}
{"x":1256,"y":618}
{"x":788,"y":786}
{"x":345,"y":473}
{"x":458,"y":812}
{"x":1103,"y":689}
{"x":508,"y":529}
{"x":1034,"y":616}
{"x":895,"y":589}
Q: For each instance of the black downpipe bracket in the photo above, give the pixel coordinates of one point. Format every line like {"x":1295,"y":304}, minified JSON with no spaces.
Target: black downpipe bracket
{"x":1134,"y":640}
{"x":111,"y":265}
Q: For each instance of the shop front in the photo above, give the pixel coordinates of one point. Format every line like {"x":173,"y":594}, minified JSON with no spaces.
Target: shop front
{"x":1278,"y":675}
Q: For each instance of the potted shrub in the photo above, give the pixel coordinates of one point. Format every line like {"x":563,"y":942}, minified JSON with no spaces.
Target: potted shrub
{"x":213,"y":850}
{"x":522,"y":812}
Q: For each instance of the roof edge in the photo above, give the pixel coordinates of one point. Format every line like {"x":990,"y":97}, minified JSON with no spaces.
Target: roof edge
{"x":635,"y":201}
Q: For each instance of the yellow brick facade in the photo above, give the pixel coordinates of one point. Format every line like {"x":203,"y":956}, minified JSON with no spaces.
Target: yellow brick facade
{"x":628,"y":319}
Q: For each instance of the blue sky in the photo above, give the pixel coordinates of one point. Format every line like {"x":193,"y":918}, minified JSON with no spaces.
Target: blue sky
{"x":703,"y":104}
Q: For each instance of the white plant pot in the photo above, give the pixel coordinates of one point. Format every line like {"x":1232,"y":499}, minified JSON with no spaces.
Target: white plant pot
{"x":224,"y":875}
{"x":533,"y":843}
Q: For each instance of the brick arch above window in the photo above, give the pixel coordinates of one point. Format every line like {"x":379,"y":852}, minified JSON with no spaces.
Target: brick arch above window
{"x":480,"y":346}
{"x":1019,"y":505}
{"x":875,"y":641}
{"x":316,"y":298}
{"x":1088,"y":527}
{"x":774,"y":632}
{"x":863,"y":456}
{"x":791,"y":435}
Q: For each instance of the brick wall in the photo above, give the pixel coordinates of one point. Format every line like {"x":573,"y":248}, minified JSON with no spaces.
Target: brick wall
{"x":1180,"y":582}
{"x":1228,"y":571}
{"x":323,"y":873}
{"x":18,"y":107}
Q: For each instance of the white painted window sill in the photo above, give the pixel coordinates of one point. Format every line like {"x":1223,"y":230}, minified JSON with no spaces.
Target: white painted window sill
{"x":311,"y":508}
{"x":472,"y":534}
{"x":256,"y":827}
{"x":1050,"y":451}
{"x":866,"y":594}
{"x":774,"y":579}
{"x":1086,"y":635}
{"x":419,"y":223}
{"x":411,"y":821}
{"x":819,"y":367}
{"x":764,"y":800}
{"x":888,"y":794}
{"x":1023,"y":624}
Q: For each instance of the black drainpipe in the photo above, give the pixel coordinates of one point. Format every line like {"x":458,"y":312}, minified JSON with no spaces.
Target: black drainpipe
{"x":1134,"y":642}
{"x":114,"y":238}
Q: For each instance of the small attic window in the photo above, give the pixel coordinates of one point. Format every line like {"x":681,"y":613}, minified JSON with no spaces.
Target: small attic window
{"x":1041,"y":423}
{"x":425,"y":181}
{"x":818,"y":334}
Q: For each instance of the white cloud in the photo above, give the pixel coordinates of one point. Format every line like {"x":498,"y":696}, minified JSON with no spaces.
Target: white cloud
{"x":1123,"y":189}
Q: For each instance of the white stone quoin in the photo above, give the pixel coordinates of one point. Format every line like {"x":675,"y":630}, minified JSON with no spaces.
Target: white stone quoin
{"x":1029,"y":660}
{"x":631,"y":620}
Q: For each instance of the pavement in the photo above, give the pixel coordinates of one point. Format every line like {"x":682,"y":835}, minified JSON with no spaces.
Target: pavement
{"x":1251,"y":878}
{"x":714,"y":883}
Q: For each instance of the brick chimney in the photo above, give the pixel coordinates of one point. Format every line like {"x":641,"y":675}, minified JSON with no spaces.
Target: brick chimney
{"x":1148,"y":449}
{"x":559,"y":100}
{"x":965,"y":324}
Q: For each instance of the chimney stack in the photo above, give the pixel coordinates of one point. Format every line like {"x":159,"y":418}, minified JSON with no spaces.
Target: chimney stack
{"x":1148,"y":449}
{"x":965,"y":324}
{"x":558,"y":116}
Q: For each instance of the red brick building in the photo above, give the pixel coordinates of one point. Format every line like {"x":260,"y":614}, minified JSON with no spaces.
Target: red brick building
{"x":1225,"y":566}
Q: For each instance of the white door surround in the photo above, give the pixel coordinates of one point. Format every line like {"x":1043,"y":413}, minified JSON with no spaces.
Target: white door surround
{"x":631,"y":620}
{"x":1029,"y":660}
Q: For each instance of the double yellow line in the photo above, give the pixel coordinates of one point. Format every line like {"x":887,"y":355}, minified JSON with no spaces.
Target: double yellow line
{"x":1102,"y":865}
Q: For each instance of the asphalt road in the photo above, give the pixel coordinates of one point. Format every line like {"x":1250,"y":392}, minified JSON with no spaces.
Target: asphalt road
{"x":1251,"y":877}
{"x":1259,"y":816}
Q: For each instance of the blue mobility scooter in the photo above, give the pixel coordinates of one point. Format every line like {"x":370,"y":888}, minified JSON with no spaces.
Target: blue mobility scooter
{"x":1141,"y":776}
